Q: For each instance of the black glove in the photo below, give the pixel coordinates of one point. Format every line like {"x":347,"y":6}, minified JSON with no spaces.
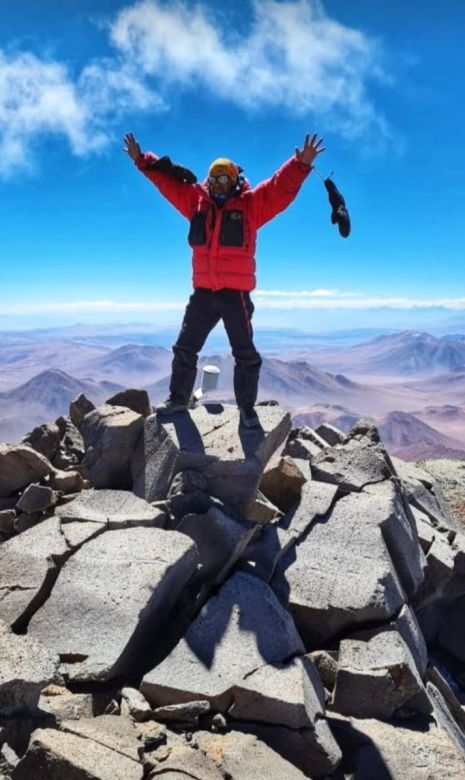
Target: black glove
{"x":178,"y":172}
{"x":339,"y":215}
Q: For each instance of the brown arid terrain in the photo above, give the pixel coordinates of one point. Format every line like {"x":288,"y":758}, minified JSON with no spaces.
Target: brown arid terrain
{"x":411,"y":385}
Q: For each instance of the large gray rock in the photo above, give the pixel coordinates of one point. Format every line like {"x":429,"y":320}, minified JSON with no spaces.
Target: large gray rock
{"x":263,"y":555}
{"x":185,"y":762}
{"x":243,"y":756}
{"x":60,"y":704}
{"x":37,"y":498}
{"x":352,"y":466}
{"x":66,"y":481}
{"x":341,"y":576}
{"x":116,"y":733}
{"x":385,"y":751}
{"x":110,"y":435}
{"x":316,"y":500}
{"x":304,"y":443}
{"x":25,"y":668}
{"x":220,"y":540}
{"x":392,"y":514}
{"x":71,"y":449}
{"x":377,"y":677}
{"x":208,"y":439}
{"x":19,"y":466}
{"x":137,"y":400}
{"x":99,"y":623}
{"x":330,"y":434}
{"x":239,"y":630}
{"x":445,"y":571}
{"x":44,"y":439}
{"x":29,"y":566}
{"x":58,"y":755}
{"x":289,"y":695}
{"x":424,"y":493}
{"x":79,"y":408}
{"x":114,"y":508}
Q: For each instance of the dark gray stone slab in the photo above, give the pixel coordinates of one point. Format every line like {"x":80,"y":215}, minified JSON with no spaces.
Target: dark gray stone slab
{"x":29,"y":565}
{"x":397,"y":523}
{"x":56,"y":754}
{"x":375,"y":678}
{"x":341,"y":576}
{"x":210,"y":440}
{"x":97,"y":621}
{"x":352,"y":466}
{"x":25,"y":668}
{"x":19,"y":466}
{"x":115,"y":508}
{"x":110,"y":435}
{"x":239,"y":630}
{"x":220,"y":540}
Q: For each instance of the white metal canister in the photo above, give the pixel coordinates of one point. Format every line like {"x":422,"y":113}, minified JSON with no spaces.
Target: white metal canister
{"x":210,"y":375}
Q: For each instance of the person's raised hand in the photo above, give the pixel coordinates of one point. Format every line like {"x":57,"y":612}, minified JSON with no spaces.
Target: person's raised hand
{"x":131,"y":147}
{"x":311,"y":148}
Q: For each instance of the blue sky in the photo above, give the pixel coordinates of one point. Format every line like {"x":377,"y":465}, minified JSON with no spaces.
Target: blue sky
{"x":84,"y":237}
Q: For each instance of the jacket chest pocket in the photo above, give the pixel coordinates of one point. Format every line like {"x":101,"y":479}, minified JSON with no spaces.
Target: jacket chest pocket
{"x":232,"y":228}
{"x":198,"y":231}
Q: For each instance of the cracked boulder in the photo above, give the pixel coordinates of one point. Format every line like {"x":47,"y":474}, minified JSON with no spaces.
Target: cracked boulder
{"x":290,"y":695}
{"x":79,"y":408}
{"x":29,"y":566}
{"x":19,"y":466}
{"x":425,"y":494}
{"x":100,"y":625}
{"x":114,"y":508}
{"x":263,"y":555}
{"x":44,"y":439}
{"x":375,"y":678}
{"x":209,"y":440}
{"x":243,"y":755}
{"x":239,"y":630}
{"x":416,"y":748}
{"x":352,"y":465}
{"x":220,"y":540}
{"x":25,"y":668}
{"x":81,"y":753}
{"x":110,"y":434}
{"x":341,"y":576}
{"x":387,"y":508}
{"x":137,"y":400}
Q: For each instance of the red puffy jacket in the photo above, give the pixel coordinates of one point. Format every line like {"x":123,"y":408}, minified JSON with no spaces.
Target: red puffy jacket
{"x":223,"y":238}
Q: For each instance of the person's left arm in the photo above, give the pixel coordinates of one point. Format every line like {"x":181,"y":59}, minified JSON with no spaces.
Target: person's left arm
{"x":275,"y":194}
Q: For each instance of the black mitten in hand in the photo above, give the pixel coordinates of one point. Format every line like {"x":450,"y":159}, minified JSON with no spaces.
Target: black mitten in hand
{"x":339,"y":215}
{"x":179,"y":172}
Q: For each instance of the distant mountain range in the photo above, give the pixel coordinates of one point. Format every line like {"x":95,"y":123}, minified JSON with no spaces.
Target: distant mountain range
{"x":407,"y":354}
{"x":411,"y":384}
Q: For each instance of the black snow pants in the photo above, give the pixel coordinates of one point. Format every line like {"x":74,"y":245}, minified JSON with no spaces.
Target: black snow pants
{"x":204,"y":310}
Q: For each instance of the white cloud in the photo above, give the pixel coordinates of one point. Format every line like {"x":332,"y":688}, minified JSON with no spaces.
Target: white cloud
{"x":71,"y":307}
{"x":274,"y":299}
{"x":294,"y":56}
{"x":337,"y":299}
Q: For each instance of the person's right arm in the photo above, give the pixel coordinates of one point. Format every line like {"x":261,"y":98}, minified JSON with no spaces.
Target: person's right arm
{"x":181,"y":195}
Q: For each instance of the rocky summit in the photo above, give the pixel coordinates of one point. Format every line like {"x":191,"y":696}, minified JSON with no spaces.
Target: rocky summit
{"x":181,"y":597}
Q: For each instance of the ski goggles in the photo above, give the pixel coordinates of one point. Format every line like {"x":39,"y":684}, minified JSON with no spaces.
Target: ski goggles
{"x":223,"y":178}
